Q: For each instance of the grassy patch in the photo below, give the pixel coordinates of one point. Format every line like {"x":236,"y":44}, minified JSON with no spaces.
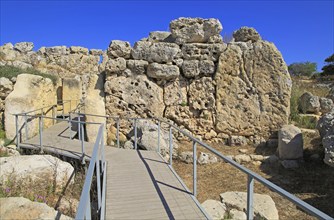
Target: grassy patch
{"x":11,"y":71}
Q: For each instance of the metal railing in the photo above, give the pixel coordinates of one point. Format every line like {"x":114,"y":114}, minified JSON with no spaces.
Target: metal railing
{"x":252,"y":177}
{"x":99,"y":165}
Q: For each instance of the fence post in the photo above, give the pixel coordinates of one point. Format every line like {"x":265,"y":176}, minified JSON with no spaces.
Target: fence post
{"x":250,"y":190}
{"x":79,"y":129}
{"x":82,"y":143}
{"x":136,"y":134}
{"x":42,"y":119}
{"x":159,"y":136}
{"x":26,"y":125}
{"x":40,"y":133}
{"x":63,"y":109}
{"x":53,"y":114}
{"x":194,"y":169}
{"x":98,"y":180}
{"x":117,"y":133}
{"x":170,"y":146}
{"x":17,"y":132}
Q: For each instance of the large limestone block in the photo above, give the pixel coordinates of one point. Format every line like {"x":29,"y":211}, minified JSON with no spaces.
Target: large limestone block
{"x":71,"y":93}
{"x":162,"y":71}
{"x":195,"y":30}
{"x":24,"y":46}
{"x":155,"y":52}
{"x":253,"y":89}
{"x":215,"y":209}
{"x":202,"y":94}
{"x":36,"y":167}
{"x":6,"y":86}
{"x":118,"y":48}
{"x":7,"y":52}
{"x":116,"y":65}
{"x":19,"y":208}
{"x":263,"y":205}
{"x":30,"y":92}
{"x":137,"y":67}
{"x":136,"y":96}
{"x":80,"y":50}
{"x":160,"y":36}
{"x":175,"y":92}
{"x":95,"y":104}
{"x":290,"y":143}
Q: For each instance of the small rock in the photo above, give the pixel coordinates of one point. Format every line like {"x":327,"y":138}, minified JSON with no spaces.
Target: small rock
{"x":308,"y":103}
{"x":326,"y":105}
{"x":256,"y":157}
{"x":257,"y":163}
{"x":118,"y":48}
{"x":128,"y":145}
{"x":290,"y":164}
{"x":237,"y":215}
{"x":242,"y":158}
{"x":237,"y":141}
{"x":206,"y":158}
{"x":290,"y":145}
{"x":186,"y":156}
{"x":243,"y":151}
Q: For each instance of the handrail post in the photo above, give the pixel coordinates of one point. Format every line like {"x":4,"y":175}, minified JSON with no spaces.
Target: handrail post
{"x":70,"y":125}
{"x":42,"y":114}
{"x":135,"y":133}
{"x":63,"y":109}
{"x":194,"y":169}
{"x":79,"y":129}
{"x":159,"y":127}
{"x":117,"y":132}
{"x":70,"y":105}
{"x":26,"y":125}
{"x":98,"y":180}
{"x":82,"y":143}
{"x":53,"y":114}
{"x":40,"y":133}
{"x":170,"y":145}
{"x":250,"y":190}
{"x":17,"y":132}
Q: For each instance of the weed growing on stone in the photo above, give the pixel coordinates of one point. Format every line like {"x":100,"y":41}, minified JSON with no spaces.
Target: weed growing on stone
{"x":11,"y":71}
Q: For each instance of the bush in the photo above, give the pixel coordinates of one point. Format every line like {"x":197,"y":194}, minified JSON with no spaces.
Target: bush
{"x":11,"y":71}
{"x":302,"y":69}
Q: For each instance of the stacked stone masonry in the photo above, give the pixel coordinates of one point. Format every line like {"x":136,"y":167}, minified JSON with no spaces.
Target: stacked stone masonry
{"x":188,"y":75}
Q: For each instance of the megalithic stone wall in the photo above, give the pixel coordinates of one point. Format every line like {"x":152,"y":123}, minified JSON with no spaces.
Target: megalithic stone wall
{"x":188,"y":75}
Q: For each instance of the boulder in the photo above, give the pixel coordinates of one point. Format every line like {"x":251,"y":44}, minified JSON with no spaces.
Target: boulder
{"x":326,"y":105}
{"x":195,"y":30}
{"x":21,"y":208}
{"x":215,"y":209}
{"x":326,"y":124}
{"x":242,"y":158}
{"x":245,"y":34}
{"x":308,"y":103}
{"x":162,"y":71}
{"x":24,"y":47}
{"x":119,"y":48}
{"x":186,"y":156}
{"x":24,"y":98}
{"x":155,"y":52}
{"x":36,"y":167}
{"x":264,"y":206}
{"x":253,"y":89}
{"x":237,"y":215}
{"x":9,"y":150}
{"x":290,"y":143}
{"x":160,"y":36}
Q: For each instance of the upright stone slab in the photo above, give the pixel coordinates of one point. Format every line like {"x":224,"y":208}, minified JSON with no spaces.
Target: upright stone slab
{"x":290,"y":143}
{"x":30,"y":92}
{"x":71,"y":90}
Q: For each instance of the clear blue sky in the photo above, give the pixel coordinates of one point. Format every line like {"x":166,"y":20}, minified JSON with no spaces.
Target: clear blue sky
{"x":302,"y":30}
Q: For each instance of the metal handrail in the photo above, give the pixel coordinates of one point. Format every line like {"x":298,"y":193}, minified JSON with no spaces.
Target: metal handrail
{"x":84,"y":208}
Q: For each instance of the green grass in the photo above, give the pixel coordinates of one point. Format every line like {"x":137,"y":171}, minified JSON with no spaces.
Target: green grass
{"x":11,"y":71}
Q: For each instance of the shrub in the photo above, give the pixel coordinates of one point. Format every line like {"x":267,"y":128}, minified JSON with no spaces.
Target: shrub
{"x":11,"y":71}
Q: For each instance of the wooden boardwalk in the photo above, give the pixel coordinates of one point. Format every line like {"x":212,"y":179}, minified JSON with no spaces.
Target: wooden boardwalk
{"x":140,"y":184}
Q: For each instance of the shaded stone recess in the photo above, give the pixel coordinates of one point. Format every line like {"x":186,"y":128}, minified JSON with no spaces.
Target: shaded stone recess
{"x":188,"y":75}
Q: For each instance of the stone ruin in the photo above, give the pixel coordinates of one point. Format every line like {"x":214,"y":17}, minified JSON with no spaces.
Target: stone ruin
{"x":221,"y":91}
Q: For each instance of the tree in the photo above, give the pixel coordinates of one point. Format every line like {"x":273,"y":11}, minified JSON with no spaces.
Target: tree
{"x":328,"y":69}
{"x":302,"y":69}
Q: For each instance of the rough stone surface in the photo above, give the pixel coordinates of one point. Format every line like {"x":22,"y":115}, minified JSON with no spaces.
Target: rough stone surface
{"x":24,"y":98}
{"x":71,"y":90}
{"x":308,"y":103}
{"x":155,"y":52}
{"x":326,"y":124}
{"x":199,"y":51}
{"x":17,"y":208}
{"x":36,"y":167}
{"x":116,"y":65}
{"x":202,"y":94}
{"x":160,"y":36}
{"x":162,"y":71}
{"x":245,"y":34}
{"x":331,"y":94}
{"x":206,"y":158}
{"x":264,"y":206}
{"x":186,"y":156}
{"x":24,"y":46}
{"x":237,"y":215}
{"x":237,"y":140}
{"x":326,"y":130}
{"x":328,"y":144}
{"x":195,"y":30}
{"x":137,"y":67}
{"x":6,"y":86}
{"x":215,"y":209}
{"x":128,"y":145}
{"x":290,"y":143}
{"x":79,"y":50}
{"x":190,"y":68}
{"x":119,"y":48}
{"x":326,"y":105}
{"x":253,"y":89}
{"x":242,"y":158}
